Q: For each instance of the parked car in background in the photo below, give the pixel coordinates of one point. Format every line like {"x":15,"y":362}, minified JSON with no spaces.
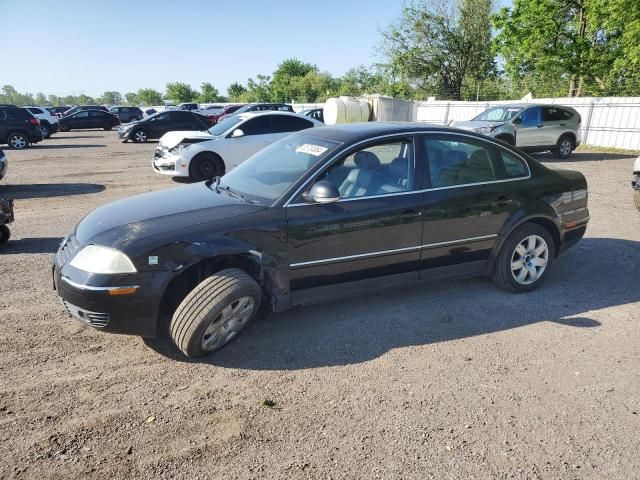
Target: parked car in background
{"x":149,"y":111}
{"x":259,"y":107}
{"x":204,"y":155}
{"x":4,"y":165}
{"x":58,"y":111}
{"x":226,"y":110}
{"x":86,"y":119}
{"x":530,"y":127}
{"x":189,"y":107}
{"x":156,"y":125}
{"x":636,"y":183}
{"x":324,"y":213}
{"x":80,"y":108}
{"x":127,"y":114}
{"x":18,"y":127}
{"x":316,"y":113}
{"x":48,"y":121}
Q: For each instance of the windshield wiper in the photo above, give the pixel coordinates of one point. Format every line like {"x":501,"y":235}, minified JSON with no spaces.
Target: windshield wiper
{"x":231,"y":192}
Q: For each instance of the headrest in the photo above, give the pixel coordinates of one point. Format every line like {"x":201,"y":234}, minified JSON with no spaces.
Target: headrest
{"x":479,"y":158}
{"x":398,"y":167}
{"x":455,"y":157}
{"x":366,"y":160}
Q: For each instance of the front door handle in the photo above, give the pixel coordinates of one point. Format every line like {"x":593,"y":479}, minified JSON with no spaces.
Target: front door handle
{"x":502,"y":201}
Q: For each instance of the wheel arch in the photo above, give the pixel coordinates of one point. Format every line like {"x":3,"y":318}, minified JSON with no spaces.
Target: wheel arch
{"x":546,"y":222}
{"x":185,"y":280}
{"x":569,"y":134}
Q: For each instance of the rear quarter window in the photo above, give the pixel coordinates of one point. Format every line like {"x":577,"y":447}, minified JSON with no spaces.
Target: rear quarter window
{"x":513,"y":166}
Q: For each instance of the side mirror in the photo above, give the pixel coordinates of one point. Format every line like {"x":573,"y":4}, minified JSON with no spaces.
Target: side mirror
{"x":517,"y":120}
{"x":323,"y":192}
{"x":237,"y":133}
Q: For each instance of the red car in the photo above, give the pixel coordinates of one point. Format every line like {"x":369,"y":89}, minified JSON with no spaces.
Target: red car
{"x":229,"y":109}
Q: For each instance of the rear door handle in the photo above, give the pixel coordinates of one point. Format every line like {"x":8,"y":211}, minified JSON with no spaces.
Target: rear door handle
{"x":411,"y":214}
{"x":502,"y":201}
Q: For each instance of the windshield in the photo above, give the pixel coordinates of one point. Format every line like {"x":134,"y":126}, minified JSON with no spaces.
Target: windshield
{"x":498,"y":114}
{"x":265,"y":176}
{"x":221,"y":127}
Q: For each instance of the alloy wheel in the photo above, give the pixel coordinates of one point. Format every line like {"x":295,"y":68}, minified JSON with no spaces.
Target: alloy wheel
{"x":565,"y":148}
{"x":529,"y":259}
{"x":140,"y":136}
{"x":227,"y":324}
{"x":17,"y":142}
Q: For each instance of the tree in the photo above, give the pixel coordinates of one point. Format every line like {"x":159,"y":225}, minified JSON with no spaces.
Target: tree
{"x":208,"y":93}
{"x":587,"y":46}
{"x":131,"y":98}
{"x":440,"y":43}
{"x":110,"y":98}
{"x":287,"y":73}
{"x":258,"y":90}
{"x":235,"y":91}
{"x":180,"y":92}
{"x":148,"y":96}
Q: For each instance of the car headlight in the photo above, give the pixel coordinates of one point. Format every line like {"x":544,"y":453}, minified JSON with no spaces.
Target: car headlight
{"x":178,"y":148}
{"x":484,"y":130}
{"x":97,"y":259}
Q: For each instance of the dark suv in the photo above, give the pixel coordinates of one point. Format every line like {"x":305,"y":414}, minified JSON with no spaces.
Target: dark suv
{"x":18,"y":127}
{"x":127,"y":114}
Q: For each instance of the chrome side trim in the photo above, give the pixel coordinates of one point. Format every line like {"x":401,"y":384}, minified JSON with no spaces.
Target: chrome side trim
{"x":387,"y":252}
{"x":92,"y":288}
{"x":415,"y":160}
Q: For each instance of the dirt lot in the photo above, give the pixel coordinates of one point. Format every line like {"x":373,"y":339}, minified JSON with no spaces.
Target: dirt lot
{"x":449,"y":380}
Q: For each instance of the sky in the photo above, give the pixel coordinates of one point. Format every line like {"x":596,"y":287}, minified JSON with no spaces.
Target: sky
{"x":67,"y":47}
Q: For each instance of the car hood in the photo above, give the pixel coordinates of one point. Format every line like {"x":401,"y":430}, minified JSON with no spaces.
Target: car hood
{"x":473,"y":124}
{"x":123,"y":222}
{"x":171,"y":139}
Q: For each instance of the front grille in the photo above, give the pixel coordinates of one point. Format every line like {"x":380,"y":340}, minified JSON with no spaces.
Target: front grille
{"x":68,"y":247}
{"x":95,"y":319}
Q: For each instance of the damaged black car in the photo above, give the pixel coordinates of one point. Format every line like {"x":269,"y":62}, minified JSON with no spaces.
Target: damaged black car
{"x":321,"y":214}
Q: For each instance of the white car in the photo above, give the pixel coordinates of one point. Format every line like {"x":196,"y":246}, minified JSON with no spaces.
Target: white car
{"x":205,"y":155}
{"x":635,"y":183}
{"x":49,"y":123}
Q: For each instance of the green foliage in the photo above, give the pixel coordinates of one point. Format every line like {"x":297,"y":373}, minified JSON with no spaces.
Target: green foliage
{"x":110,"y":98}
{"x":180,"y":92}
{"x":579,"y":47}
{"x":440,"y":44}
{"x":131,"y":98}
{"x":208,"y":93}
{"x":146,"y":96}
{"x":235,"y":91}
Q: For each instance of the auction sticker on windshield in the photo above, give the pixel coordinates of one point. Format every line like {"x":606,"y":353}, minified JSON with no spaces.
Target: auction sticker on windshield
{"x":315,"y":150}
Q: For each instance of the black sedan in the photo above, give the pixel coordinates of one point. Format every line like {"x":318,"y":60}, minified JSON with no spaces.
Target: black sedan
{"x":320,"y":214}
{"x":85,"y":119}
{"x":156,"y":125}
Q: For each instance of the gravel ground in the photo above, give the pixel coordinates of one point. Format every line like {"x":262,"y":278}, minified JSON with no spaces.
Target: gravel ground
{"x":448,"y":380}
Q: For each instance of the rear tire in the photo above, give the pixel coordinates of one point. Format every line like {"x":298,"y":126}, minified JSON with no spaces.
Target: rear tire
{"x":17,"y":141}
{"x":564,"y":147}
{"x":107,"y":126}
{"x":5,"y":234}
{"x":205,"y":166}
{"x":506,"y":139}
{"x":214,"y":312}
{"x":524,"y":259}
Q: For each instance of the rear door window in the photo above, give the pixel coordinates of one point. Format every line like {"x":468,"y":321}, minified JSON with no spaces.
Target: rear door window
{"x":513,"y":166}
{"x":257,"y":126}
{"x":286,"y":123}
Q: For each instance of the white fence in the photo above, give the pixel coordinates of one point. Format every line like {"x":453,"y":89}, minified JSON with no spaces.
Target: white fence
{"x":606,"y":121}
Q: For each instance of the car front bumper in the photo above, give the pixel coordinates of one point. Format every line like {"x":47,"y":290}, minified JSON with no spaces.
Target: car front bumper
{"x":166,"y":163}
{"x":98,"y":300}
{"x":123,"y":134}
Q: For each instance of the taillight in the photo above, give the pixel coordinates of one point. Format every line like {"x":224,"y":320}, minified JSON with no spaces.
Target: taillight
{"x":34,"y":121}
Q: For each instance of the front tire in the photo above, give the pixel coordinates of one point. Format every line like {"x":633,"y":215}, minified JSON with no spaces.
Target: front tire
{"x":18,"y":141}
{"x":524,"y":259}
{"x":214,"y":312}
{"x":205,"y":166}
{"x":140,"y":136}
{"x":107,"y":126}
{"x":564,"y":147}
{"x":5,"y":234}
{"x":64,"y":127}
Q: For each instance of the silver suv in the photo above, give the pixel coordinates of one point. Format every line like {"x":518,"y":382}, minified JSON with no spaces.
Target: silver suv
{"x":530,"y":127}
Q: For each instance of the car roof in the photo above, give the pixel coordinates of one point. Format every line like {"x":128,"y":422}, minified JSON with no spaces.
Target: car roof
{"x":523,"y":105}
{"x":260,"y":113}
{"x":355,"y":132}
